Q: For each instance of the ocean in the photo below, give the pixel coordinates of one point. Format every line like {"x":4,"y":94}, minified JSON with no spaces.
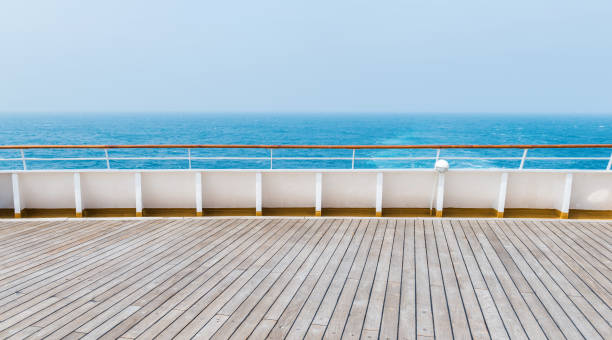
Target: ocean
{"x":374,"y":129}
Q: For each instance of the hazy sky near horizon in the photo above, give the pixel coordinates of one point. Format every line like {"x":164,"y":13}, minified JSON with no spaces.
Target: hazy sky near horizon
{"x":305,"y":56}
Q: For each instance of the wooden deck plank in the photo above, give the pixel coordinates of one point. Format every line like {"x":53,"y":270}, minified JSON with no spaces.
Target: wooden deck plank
{"x":121,"y":290}
{"x":313,"y":278}
{"x":579,"y":266}
{"x":341,"y":311}
{"x":164,"y":298}
{"x":456,"y":307}
{"x":407,"y":328}
{"x":567,"y":315}
{"x":377,"y":301}
{"x":357,"y":314}
{"x":72,"y":293}
{"x":477,"y":326}
{"x":439,"y":303}
{"x":576,"y":238}
{"x":391,"y":308}
{"x":535,"y":320}
{"x":302,"y":252}
{"x":82,"y":276}
{"x":303,"y":320}
{"x":205,"y":287}
{"x":199,"y":317}
{"x":569,"y":282}
{"x":291,"y":310}
{"x":545,"y":309}
{"x":493,"y":285}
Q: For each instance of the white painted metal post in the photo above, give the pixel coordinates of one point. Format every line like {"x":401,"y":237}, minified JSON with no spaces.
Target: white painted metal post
{"x":23,"y":160}
{"x":353,"y":160}
{"x":609,"y":167}
{"x":107,"y":160}
{"x":189,"y":156}
{"x":567,"y":193}
{"x":379,"y":193}
{"x":198,"y":193}
{"x":501,"y":197}
{"x":523,"y":159}
{"x":433,"y":193}
{"x":271,"y":158}
{"x":440,"y":195}
{"x":318,"y":192}
{"x":78,"y":202}
{"x":138,"y":189}
{"x":16,"y":195}
{"x":258,"y":194}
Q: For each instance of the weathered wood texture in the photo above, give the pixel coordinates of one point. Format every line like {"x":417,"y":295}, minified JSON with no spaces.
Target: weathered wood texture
{"x":307,"y":278}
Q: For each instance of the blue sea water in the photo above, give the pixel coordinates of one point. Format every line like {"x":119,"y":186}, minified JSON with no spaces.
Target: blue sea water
{"x":375,"y":129}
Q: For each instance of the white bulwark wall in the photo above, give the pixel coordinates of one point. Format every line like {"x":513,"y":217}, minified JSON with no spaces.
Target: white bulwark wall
{"x":490,"y":189}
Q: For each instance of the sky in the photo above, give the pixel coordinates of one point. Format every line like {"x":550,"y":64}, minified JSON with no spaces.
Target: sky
{"x":306,"y":56}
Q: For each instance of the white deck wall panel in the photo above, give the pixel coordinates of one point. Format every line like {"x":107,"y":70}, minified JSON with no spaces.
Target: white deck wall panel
{"x":168,"y":190}
{"x":6,"y":191}
{"x":47,"y":190}
{"x":471,"y":189}
{"x":592,"y":191}
{"x":228,"y":189}
{"x":236,"y":189}
{"x":349,"y":190}
{"x":407,"y":189}
{"x":288,"y":190}
{"x":103,"y":190}
{"x":535,"y":190}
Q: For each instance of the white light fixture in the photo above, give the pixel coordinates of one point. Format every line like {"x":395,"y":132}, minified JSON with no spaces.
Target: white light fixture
{"x":441,"y":166}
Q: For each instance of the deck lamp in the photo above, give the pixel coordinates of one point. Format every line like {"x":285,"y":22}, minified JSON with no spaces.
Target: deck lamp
{"x":441,"y":166}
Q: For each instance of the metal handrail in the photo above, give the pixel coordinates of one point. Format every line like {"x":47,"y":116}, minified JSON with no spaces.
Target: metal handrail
{"x":190,"y":157}
{"x":253,"y":146}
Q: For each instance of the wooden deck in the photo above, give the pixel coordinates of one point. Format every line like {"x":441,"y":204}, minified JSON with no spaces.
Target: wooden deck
{"x":305,"y":278}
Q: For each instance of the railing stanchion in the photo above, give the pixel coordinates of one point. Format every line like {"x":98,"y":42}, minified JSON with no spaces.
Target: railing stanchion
{"x":271,"y":158}
{"x":23,"y":160}
{"x":609,"y":167}
{"x":523,"y":159}
{"x":189,"y":156}
{"x":353,"y":160}
{"x":107,"y":160}
{"x":437,"y":157}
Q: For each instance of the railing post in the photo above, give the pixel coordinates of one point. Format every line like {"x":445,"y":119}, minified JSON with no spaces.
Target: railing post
{"x":523,"y":159}
{"x":609,"y":167}
{"x":567,"y":194}
{"x":501,"y":197}
{"x":78,"y":202}
{"x":318,"y":192}
{"x":198,"y":193}
{"x":437,"y":156}
{"x":23,"y":160}
{"x":138,"y":189}
{"x":353,"y":161}
{"x":189,"y":156}
{"x":379,"y":193}
{"x":16,"y":195}
{"x":258,"y":194}
{"x":440,"y":195}
{"x":107,"y":160}
{"x":271,"y":158}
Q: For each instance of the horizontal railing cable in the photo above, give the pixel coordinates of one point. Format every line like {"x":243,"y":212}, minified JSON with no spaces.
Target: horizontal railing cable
{"x":190,"y":157}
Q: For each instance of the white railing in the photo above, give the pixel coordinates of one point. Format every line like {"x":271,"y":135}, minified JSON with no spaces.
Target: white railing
{"x":189,"y":158}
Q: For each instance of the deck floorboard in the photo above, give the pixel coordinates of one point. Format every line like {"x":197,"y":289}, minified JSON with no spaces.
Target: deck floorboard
{"x":305,"y":278}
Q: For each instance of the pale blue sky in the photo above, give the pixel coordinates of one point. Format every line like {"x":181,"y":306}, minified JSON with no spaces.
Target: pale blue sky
{"x":306,"y":55}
